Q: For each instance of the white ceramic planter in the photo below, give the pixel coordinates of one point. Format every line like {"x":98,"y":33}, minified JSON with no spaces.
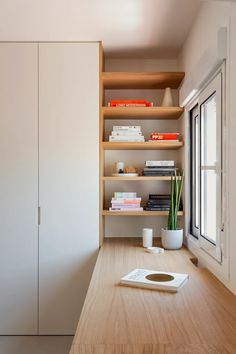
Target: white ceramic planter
{"x":172,"y":239}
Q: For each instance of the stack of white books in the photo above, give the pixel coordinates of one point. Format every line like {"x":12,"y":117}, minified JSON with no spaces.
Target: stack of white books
{"x":125,"y":201}
{"x":126,"y":133}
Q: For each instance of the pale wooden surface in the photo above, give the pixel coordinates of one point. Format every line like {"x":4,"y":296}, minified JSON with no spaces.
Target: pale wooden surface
{"x":142,"y":112}
{"x":153,"y":145}
{"x":142,"y":80}
{"x":138,"y":178}
{"x":201,"y":318}
{"x":138,"y":213}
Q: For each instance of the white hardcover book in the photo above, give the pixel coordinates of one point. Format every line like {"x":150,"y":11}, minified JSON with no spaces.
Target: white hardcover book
{"x":168,"y":163}
{"x":126,"y":138}
{"x":133,"y":128}
{"x":125,"y":194}
{"x":126,"y":133}
{"x":156,"y":280}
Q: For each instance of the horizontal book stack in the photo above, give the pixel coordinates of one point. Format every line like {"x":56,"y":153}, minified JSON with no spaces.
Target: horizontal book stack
{"x":158,"y":202}
{"x":130,"y":103}
{"x":125,"y":201}
{"x":159,"y":168}
{"x":165,"y":137}
{"x":126,"y":133}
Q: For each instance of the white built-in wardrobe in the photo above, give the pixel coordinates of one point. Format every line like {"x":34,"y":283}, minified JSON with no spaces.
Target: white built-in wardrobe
{"x":49,"y":184}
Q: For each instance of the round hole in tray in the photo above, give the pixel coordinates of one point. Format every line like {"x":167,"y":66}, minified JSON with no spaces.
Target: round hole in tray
{"x":160,"y":277}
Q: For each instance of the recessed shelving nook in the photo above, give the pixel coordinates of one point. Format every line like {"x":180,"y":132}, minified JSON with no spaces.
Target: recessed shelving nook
{"x":129,"y":116}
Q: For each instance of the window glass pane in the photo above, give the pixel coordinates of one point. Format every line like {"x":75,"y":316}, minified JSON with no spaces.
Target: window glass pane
{"x":196,"y":172}
{"x":208,"y":204}
{"x":209,"y":138}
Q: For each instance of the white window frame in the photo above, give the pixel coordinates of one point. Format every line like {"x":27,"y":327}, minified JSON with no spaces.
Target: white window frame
{"x":215,"y":85}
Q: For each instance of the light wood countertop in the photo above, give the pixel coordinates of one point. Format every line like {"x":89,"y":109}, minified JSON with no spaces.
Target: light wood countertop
{"x":201,"y":318}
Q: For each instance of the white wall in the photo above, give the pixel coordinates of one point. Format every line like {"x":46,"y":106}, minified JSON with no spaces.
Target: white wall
{"x":197,"y":57}
{"x":132,"y":226}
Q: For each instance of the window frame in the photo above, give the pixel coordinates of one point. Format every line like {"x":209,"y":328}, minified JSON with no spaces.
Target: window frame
{"x":214,"y":86}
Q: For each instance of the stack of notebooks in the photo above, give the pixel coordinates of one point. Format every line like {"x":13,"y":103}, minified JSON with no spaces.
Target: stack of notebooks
{"x":165,"y":137}
{"x":159,"y":168}
{"x":158,"y":202}
{"x":125,"y":201}
{"x":125,"y":133}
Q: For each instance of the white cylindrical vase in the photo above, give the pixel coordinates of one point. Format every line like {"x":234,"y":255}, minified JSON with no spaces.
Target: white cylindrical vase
{"x":147,"y":237}
{"x":167,"y":99}
{"x":172,"y":239}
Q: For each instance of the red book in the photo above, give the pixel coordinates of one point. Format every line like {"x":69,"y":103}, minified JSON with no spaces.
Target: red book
{"x":165,"y":136}
{"x":130,"y":103}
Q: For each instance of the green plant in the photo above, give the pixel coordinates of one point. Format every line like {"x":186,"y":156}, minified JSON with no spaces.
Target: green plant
{"x":176,"y":191}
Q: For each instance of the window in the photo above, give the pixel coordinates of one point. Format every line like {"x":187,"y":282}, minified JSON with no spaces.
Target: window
{"x":206,"y":168}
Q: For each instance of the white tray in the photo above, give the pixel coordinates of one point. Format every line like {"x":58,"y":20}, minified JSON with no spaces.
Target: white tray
{"x":124,"y":174}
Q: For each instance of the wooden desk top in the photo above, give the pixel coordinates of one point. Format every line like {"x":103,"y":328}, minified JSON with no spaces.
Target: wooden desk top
{"x":201,"y":318}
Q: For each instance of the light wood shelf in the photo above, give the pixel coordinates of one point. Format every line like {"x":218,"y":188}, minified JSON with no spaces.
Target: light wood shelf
{"x":106,"y":145}
{"x":165,"y":113}
{"x":141,"y":80}
{"x":138,"y":213}
{"x":139,"y":178}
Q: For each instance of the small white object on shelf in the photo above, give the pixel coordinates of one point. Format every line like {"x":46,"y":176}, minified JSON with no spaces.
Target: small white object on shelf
{"x":147,"y":237}
{"x":155,"y":250}
{"x":156,"y":280}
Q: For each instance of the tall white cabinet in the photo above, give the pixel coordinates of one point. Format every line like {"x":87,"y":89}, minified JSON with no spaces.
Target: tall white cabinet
{"x":49,"y":158}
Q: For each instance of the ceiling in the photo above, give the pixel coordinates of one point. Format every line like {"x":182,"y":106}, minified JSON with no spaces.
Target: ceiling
{"x":127,"y":28}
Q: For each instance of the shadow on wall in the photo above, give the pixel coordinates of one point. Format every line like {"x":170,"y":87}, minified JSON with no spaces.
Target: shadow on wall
{"x":35,"y":344}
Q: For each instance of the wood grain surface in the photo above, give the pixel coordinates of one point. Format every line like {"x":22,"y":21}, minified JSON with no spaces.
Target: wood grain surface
{"x":201,"y":318}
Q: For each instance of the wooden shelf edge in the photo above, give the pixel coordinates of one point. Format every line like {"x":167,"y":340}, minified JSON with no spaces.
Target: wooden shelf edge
{"x":139,"y":178}
{"x":142,"y":80}
{"x":138,"y":213}
{"x":144,"y":113}
{"x":106,"y":145}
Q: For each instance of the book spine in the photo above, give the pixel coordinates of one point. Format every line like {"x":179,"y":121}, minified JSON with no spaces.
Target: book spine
{"x":165,"y":136}
{"x":159,"y":163}
{"x":125,"y":195}
{"x":133,"y":128}
{"x":124,"y":209}
{"x":126,"y":138}
{"x":149,"y":104}
{"x":164,"y":141}
{"x":126,"y":133}
{"x":138,"y":199}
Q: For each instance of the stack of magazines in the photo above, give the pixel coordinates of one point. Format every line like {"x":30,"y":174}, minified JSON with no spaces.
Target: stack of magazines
{"x":159,"y":168}
{"x":125,"y":201}
{"x":126,"y":133}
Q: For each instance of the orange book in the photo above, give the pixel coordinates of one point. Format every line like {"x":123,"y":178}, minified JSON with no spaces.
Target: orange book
{"x":165,"y":136}
{"x":130,"y":103}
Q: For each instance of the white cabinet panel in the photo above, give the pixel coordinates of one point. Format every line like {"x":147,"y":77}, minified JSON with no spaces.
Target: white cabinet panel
{"x":18,"y":188}
{"x":68,"y":180}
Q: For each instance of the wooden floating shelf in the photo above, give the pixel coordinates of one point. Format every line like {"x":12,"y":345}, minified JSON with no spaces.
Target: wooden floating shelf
{"x":106,"y":145}
{"x":164,"y":113}
{"x":139,"y":178}
{"x":138,"y":213}
{"x":141,"y":80}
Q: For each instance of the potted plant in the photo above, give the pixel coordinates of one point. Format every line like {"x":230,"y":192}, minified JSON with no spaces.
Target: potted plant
{"x":172,"y":236}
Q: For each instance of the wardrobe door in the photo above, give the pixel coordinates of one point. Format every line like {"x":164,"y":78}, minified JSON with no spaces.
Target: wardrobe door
{"x":68,"y":180}
{"x":18,"y":188}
